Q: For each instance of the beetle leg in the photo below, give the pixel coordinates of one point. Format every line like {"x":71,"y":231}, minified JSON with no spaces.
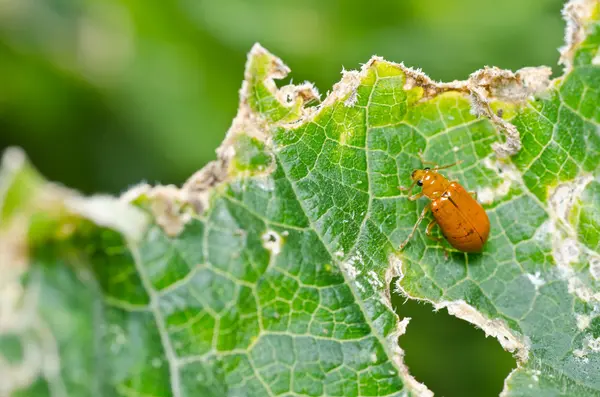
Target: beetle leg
{"x":416,"y":196}
{"x":474,"y":194}
{"x":429,"y":229}
{"x":421,"y":217}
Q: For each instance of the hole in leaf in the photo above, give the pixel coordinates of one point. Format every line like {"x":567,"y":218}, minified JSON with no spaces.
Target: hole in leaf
{"x":449,"y":355}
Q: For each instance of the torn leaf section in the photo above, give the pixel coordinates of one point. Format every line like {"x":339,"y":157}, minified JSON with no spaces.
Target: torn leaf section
{"x":496,"y":328}
{"x":251,"y":156}
{"x":490,"y":84}
{"x":581,"y":17}
{"x":168,"y":205}
{"x":273,"y":105}
{"x":246,"y":148}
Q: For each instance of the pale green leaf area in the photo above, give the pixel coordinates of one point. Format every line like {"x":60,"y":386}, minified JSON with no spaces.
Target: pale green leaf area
{"x":269,"y":272}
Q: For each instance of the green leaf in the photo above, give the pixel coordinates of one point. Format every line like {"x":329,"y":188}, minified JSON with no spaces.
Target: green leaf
{"x":269,"y":271}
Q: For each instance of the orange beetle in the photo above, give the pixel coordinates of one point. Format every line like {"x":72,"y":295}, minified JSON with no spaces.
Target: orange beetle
{"x":461,"y":218}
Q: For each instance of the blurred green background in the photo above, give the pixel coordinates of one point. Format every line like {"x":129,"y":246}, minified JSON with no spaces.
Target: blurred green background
{"x":104,"y":94}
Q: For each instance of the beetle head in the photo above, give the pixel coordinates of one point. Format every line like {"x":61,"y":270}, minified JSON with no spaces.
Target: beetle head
{"x":433,"y":183}
{"x":419,"y":175}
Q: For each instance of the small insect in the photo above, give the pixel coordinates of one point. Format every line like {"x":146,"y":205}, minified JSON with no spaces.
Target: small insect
{"x":461,"y":218}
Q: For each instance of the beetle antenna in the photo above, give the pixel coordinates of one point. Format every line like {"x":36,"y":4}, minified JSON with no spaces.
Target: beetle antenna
{"x":423,"y":161}
{"x":441,"y":167}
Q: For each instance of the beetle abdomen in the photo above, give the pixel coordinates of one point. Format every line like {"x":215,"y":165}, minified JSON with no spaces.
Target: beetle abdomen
{"x":462,"y":219}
